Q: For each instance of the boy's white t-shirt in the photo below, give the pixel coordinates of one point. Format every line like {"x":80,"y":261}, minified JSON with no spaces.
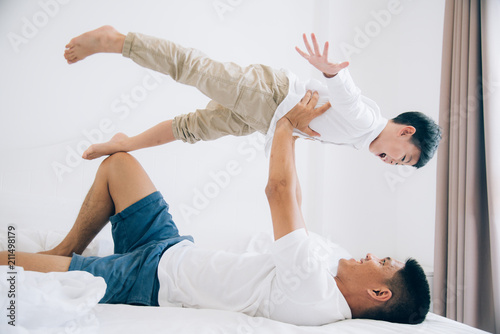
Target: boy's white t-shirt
{"x":293,"y":283}
{"x":352,"y":120}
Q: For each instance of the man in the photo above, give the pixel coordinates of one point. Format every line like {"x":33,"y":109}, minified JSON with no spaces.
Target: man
{"x":154,"y":265}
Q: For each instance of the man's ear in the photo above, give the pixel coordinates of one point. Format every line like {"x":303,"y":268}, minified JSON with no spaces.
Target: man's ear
{"x":381,"y":294}
{"x":407,"y":130}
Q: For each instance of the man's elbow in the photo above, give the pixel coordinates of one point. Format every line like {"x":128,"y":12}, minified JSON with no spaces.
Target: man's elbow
{"x":276,"y":188}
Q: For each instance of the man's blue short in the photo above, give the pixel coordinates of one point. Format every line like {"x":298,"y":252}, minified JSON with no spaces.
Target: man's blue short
{"x":141,"y":233}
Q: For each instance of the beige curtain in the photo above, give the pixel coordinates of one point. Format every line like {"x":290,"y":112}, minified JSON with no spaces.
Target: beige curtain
{"x":467,"y":255}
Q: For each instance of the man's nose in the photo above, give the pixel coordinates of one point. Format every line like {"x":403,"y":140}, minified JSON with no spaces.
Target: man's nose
{"x":370,"y":256}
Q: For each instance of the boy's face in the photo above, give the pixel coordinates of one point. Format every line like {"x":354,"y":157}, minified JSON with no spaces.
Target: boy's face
{"x":396,"y":148}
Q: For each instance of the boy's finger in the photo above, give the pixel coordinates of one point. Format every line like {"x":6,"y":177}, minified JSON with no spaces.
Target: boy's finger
{"x":302,"y":53}
{"x":315,"y":44}
{"x":325,"y":51}
{"x":344,"y":64}
{"x":306,"y":42}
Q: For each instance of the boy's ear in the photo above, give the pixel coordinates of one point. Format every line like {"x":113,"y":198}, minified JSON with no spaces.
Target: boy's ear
{"x":381,"y":294}
{"x":407,"y":130}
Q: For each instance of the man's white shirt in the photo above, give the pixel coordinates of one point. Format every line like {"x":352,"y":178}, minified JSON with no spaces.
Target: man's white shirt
{"x":293,"y":283}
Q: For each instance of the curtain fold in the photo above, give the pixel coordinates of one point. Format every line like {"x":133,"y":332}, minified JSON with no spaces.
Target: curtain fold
{"x":466,"y":246}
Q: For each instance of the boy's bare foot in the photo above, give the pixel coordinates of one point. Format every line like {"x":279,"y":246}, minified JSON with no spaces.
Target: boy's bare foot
{"x":103,"y":39}
{"x":116,"y":144}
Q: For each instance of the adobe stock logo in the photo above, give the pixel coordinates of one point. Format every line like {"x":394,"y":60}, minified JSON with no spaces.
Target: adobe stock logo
{"x":224,"y":6}
{"x":122,"y":106}
{"x":219,"y":180}
{"x":363,"y":36}
{"x":31,"y":26}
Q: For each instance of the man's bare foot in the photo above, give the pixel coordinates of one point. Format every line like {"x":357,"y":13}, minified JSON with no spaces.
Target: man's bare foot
{"x":103,"y":39}
{"x":116,"y":144}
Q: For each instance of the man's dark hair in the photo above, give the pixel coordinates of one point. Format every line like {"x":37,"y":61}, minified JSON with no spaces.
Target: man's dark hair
{"x":426,"y":137}
{"x":410,"y":299}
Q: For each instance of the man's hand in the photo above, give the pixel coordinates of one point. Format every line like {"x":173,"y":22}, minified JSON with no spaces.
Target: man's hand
{"x":318,"y":60}
{"x":304,"y":112}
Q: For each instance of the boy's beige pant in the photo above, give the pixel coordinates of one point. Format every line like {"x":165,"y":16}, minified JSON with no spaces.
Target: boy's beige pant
{"x":244,"y":99}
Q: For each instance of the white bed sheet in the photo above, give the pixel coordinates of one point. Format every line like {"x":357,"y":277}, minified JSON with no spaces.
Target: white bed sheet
{"x":124,"y":319}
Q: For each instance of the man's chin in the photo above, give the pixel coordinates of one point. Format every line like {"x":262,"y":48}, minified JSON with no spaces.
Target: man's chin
{"x":343,"y":263}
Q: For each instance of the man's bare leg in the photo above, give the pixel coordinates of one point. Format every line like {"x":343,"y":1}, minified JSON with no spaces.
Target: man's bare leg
{"x":103,"y":39}
{"x":37,"y":262}
{"x":93,"y":216}
{"x":120,"y":182}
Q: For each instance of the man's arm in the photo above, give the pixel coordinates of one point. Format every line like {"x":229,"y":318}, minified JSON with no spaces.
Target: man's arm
{"x":283,"y":190}
{"x":298,"y":190}
{"x":282,"y":183}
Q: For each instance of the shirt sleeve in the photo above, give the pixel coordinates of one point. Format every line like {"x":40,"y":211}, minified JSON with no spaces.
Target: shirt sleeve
{"x":347,"y":100}
{"x":301,"y":270}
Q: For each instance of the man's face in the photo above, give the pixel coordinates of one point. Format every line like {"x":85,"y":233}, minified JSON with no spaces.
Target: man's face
{"x":368,"y":272}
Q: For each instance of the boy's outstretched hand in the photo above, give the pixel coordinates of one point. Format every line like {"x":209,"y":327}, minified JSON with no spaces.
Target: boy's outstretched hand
{"x":318,"y":60}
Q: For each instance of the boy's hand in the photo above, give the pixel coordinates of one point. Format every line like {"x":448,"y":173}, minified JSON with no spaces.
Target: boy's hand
{"x":318,"y":60}
{"x":304,"y":112}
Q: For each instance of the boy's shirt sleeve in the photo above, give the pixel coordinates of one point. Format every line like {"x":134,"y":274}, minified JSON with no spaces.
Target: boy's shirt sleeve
{"x":347,"y":100}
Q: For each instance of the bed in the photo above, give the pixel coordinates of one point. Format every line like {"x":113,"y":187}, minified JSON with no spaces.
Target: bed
{"x":68,"y":303}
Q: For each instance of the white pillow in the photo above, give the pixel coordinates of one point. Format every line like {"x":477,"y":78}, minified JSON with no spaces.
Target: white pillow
{"x":33,"y":241}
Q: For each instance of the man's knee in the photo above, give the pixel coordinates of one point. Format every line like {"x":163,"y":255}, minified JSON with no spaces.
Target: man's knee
{"x":119,"y":159}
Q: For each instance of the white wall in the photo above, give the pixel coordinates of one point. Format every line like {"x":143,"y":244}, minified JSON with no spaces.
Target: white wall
{"x":49,"y":109}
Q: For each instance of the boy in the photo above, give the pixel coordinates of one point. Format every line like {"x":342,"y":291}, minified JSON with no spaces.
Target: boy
{"x":245,"y":100}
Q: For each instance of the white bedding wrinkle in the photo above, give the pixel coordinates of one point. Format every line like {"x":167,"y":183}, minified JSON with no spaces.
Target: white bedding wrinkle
{"x":55,"y":300}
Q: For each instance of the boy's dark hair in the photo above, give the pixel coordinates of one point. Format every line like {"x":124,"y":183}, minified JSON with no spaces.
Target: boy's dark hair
{"x":410,"y":299}
{"x":426,"y":137}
